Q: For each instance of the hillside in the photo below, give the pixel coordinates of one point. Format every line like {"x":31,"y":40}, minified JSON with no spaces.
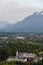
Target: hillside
{"x":32,"y":23}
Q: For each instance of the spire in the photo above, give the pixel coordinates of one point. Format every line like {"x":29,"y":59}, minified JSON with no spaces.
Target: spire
{"x":17,"y":54}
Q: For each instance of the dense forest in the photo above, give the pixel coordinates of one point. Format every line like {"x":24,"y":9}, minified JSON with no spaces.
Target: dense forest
{"x":10,"y":47}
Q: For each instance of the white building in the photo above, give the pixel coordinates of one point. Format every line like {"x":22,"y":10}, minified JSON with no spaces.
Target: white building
{"x":24,"y":57}
{"x":20,"y":37}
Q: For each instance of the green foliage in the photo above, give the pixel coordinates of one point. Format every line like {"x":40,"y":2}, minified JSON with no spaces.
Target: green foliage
{"x":10,"y":48}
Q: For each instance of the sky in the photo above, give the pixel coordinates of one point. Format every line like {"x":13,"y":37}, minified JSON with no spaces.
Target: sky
{"x":12,"y":11}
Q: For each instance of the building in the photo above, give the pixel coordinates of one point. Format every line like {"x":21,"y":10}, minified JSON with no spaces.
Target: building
{"x":24,"y":57}
{"x":30,"y":57}
{"x":20,"y":37}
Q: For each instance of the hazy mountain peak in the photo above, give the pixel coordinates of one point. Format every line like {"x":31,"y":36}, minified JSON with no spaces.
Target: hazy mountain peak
{"x":41,"y":13}
{"x":36,"y":13}
{"x":32,"y":23}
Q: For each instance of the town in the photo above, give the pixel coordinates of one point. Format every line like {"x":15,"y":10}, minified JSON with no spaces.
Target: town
{"x":21,"y":47}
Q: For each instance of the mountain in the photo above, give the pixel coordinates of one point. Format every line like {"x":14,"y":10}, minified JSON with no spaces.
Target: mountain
{"x":32,"y":23}
{"x":2,"y":24}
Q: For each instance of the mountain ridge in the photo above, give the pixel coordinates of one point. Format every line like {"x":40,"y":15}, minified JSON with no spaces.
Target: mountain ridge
{"x":32,"y":23}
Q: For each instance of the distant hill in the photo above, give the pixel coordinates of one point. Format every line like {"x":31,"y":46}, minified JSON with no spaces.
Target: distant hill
{"x":3,"y":24}
{"x":32,"y":23}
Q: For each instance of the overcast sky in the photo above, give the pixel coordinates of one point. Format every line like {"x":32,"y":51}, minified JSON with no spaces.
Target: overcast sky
{"x":15,"y":10}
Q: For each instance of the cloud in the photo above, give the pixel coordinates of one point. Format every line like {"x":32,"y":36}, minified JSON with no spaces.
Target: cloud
{"x":15,"y":10}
